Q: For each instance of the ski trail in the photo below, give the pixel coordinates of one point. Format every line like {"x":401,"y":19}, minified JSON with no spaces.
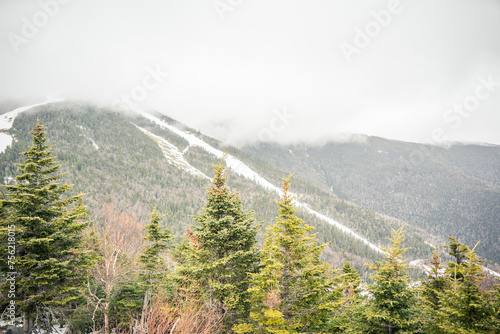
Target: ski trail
{"x":242,"y":169}
{"x":173,"y":155}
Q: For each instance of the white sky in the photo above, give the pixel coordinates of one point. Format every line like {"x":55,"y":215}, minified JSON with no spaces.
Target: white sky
{"x":227,"y":77}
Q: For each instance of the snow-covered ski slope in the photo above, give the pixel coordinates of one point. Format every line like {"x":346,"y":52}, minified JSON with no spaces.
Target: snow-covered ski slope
{"x":242,"y":169}
{"x":7,"y":119}
{"x":173,"y":155}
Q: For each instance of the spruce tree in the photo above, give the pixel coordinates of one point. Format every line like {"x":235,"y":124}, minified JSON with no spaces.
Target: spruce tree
{"x":495,"y":323}
{"x":350,"y":279}
{"x":459,"y":251}
{"x":435,"y":282}
{"x":394,"y":307}
{"x":49,"y":262}
{"x":152,"y":257}
{"x":432,"y":288}
{"x":154,"y":271}
{"x":218,"y":255}
{"x":349,"y":316}
{"x":465,"y":306}
{"x":294,"y":290}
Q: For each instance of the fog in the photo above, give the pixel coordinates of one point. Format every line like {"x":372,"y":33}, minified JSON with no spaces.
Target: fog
{"x":283,"y":70}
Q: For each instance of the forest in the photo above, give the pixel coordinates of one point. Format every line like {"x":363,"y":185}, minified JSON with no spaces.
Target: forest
{"x":64,"y":272}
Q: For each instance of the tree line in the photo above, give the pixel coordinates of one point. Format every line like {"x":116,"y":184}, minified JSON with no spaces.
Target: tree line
{"x":59,"y":270}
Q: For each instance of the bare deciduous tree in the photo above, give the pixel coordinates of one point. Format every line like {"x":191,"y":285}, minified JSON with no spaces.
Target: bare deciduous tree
{"x":119,"y":240}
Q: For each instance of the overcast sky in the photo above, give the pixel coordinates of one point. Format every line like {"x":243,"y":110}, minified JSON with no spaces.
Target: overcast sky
{"x":286,"y":70}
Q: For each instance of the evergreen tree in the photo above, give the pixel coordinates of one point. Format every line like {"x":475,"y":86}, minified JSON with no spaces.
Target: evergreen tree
{"x":350,"y":279}
{"x":294,"y":290}
{"x":433,"y":286}
{"x":349,"y":317}
{"x":153,"y":276}
{"x":152,"y":257}
{"x":221,"y":251}
{"x":495,"y":324}
{"x":435,"y":282}
{"x":394,"y":307}
{"x":49,"y":260}
{"x":465,"y":307}
{"x":459,"y":252}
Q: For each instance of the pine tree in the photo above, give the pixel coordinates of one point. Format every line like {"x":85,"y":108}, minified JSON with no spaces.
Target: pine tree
{"x":394,"y":307}
{"x":221,"y":251}
{"x":294,"y":290}
{"x":49,"y":260}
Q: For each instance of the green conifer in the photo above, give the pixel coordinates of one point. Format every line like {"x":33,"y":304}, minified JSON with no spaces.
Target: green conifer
{"x":152,"y":257}
{"x":394,"y":307}
{"x":349,"y":316}
{"x":219,"y":254}
{"x":294,"y":290}
{"x":465,"y":307}
{"x":432,"y":287}
{"x":49,"y":260}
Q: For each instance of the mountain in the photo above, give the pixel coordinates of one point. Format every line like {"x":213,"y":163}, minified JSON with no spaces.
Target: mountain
{"x":451,"y":190}
{"x":142,"y":160}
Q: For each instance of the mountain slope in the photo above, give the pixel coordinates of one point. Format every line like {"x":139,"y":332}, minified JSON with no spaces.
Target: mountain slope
{"x":446,"y":191}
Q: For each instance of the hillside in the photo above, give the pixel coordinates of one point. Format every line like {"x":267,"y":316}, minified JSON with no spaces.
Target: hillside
{"x":140,"y":165}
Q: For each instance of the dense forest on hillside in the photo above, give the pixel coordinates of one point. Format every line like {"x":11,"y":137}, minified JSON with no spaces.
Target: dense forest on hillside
{"x":119,"y":275}
{"x":109,"y":159}
{"x":443,"y":190}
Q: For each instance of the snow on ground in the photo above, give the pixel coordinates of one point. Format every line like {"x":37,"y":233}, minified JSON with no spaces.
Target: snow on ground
{"x":173,"y":155}
{"x":491,"y":272}
{"x":5,"y":141}
{"x":422,"y":264}
{"x":242,"y":169}
{"x":429,"y":244}
{"x":96,"y":147}
{"x":338,"y":225}
{"x":7,"y":119}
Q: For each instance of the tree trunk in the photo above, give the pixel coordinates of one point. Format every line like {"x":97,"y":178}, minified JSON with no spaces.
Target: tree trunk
{"x":106,"y":318}
{"x":27,"y":323}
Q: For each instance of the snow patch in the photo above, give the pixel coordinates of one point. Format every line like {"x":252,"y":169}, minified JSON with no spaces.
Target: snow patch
{"x":7,"y":120}
{"x":491,"y":272}
{"x":5,"y":141}
{"x":429,"y":244}
{"x":7,"y":179}
{"x":96,"y":147}
{"x":173,"y":155}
